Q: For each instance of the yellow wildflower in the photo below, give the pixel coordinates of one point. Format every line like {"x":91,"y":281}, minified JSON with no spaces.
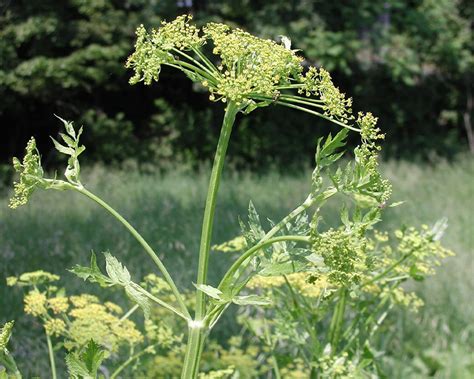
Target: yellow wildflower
{"x":35,"y":303}
{"x":11,"y":281}
{"x":83,"y":300}
{"x":55,"y":327}
{"x":112,"y":307}
{"x":58,"y":304}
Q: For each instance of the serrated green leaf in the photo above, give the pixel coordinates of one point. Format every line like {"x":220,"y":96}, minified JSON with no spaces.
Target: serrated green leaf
{"x":61,"y":148}
{"x":69,"y":141}
{"x":80,"y":150}
{"x":117,"y":272}
{"x":92,"y":357}
{"x":68,"y":126}
{"x":92,"y":273}
{"x":210,"y":291}
{"x":76,"y":368}
{"x":365,"y":201}
{"x":133,"y":292}
{"x":326,"y":154}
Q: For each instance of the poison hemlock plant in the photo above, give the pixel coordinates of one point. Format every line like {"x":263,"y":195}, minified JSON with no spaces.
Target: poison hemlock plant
{"x":326,"y":292}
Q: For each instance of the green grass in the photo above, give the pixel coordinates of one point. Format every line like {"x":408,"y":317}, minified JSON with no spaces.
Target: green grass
{"x":58,"y":230}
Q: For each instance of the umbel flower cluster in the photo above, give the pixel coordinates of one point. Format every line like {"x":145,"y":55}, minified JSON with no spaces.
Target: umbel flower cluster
{"x":250,"y":71}
{"x":77,"y":319}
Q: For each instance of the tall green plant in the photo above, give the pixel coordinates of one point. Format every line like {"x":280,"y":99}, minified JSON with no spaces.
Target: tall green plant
{"x":245,"y":73}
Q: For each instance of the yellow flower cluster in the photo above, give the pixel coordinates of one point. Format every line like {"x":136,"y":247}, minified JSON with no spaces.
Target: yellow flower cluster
{"x":368,"y":126}
{"x":35,"y":303}
{"x":31,"y":174}
{"x":336,"y":367}
{"x":400,"y":296}
{"x":249,"y":64}
{"x":319,"y":82}
{"x":114,"y":308}
{"x":59,"y":304}
{"x":83,"y":300}
{"x":218,"y":374}
{"x":295,"y":370}
{"x":162,"y":333}
{"x":55,"y":327}
{"x":344,"y":254}
{"x":424,"y":250}
{"x":300,"y":281}
{"x":236,"y":244}
{"x":92,"y":320}
{"x":367,"y":156}
{"x":177,"y":34}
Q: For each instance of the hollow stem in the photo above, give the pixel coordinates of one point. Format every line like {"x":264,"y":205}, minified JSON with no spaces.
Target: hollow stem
{"x":142,"y":242}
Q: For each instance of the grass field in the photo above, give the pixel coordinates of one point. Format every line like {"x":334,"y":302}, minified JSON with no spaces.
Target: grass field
{"x":59,"y":229}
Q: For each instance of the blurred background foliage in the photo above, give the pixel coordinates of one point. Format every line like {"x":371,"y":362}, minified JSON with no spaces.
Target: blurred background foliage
{"x":409,"y":62}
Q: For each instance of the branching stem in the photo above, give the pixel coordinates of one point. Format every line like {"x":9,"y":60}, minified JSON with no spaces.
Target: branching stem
{"x":142,"y":242}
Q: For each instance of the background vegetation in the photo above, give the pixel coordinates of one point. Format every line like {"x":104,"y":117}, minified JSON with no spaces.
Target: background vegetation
{"x":409,"y":62}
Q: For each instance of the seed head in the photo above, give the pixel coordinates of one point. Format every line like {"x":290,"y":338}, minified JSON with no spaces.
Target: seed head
{"x":319,"y":82}
{"x":31,"y":175}
{"x":5,"y":334}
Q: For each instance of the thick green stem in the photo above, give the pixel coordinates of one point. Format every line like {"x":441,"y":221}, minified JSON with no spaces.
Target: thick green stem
{"x":51,"y":357}
{"x":210,"y":208}
{"x":142,"y":242}
{"x":196,"y":334}
{"x":337,"y":320}
{"x":197,"y":328}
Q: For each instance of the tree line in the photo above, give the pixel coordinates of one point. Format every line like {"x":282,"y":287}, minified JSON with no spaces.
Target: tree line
{"x":410,"y":62}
